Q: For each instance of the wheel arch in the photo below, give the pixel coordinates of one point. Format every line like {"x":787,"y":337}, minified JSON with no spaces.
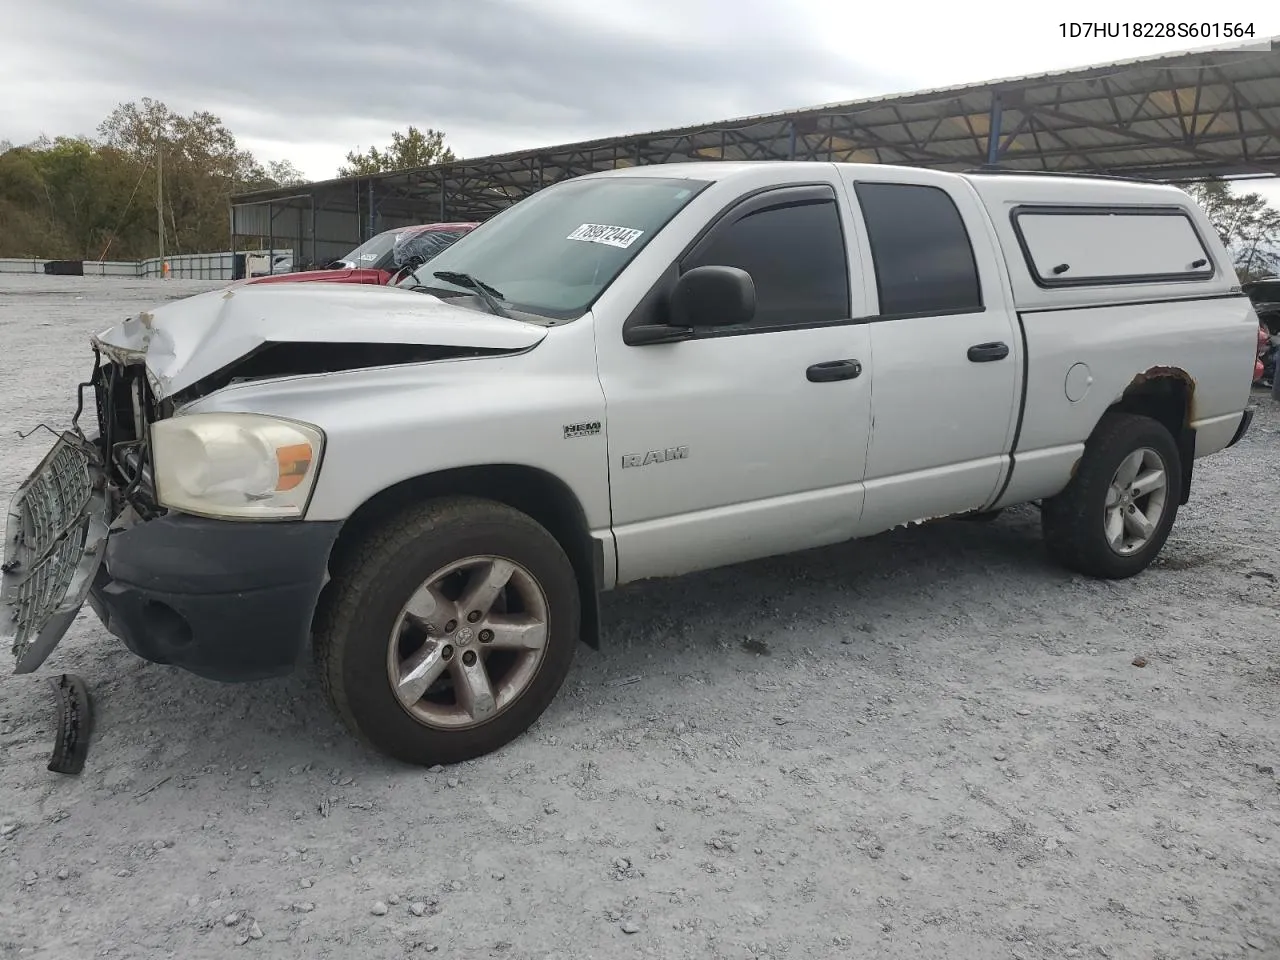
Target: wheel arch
{"x":533,"y":491}
{"x":1166,"y":395}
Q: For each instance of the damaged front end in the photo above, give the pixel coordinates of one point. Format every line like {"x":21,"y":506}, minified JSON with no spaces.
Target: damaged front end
{"x":88,"y":525}
{"x":58,"y":520}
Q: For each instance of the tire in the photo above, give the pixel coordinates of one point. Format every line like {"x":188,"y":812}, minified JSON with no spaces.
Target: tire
{"x":1075,"y":522}
{"x":368,"y":599}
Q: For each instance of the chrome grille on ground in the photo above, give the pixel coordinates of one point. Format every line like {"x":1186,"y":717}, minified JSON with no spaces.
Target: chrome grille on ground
{"x":45,"y":538}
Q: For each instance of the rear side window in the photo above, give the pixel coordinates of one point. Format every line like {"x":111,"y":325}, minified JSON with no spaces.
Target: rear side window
{"x":1078,"y":246}
{"x":794,"y":250}
{"x":923,"y":257}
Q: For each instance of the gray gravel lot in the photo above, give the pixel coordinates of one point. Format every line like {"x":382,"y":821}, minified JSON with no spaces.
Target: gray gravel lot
{"x":933,"y":743}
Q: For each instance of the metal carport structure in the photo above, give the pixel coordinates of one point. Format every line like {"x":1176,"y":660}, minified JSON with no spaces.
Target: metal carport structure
{"x":1180,"y":116}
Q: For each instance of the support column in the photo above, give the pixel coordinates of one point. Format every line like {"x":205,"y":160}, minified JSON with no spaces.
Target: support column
{"x":993,"y":134}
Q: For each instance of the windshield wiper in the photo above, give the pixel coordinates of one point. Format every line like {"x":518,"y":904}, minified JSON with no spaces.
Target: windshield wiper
{"x":488,"y":294}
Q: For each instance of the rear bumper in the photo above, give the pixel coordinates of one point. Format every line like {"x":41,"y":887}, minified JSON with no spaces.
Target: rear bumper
{"x":1245,"y":420}
{"x":223,"y":599}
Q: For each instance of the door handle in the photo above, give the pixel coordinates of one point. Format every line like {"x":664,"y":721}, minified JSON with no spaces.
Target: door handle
{"x":833,"y":370}
{"x":986,"y":352}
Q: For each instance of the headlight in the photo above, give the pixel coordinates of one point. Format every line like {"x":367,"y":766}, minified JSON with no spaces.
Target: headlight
{"x":235,"y":465}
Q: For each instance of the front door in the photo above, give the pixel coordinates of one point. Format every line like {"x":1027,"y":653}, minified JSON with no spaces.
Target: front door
{"x":746,"y":441}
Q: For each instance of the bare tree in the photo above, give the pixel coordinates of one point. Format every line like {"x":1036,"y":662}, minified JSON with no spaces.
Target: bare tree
{"x":1246,"y":224}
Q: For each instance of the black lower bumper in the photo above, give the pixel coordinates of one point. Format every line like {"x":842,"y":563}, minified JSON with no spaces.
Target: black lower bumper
{"x":1241,"y":430}
{"x":227,"y":600}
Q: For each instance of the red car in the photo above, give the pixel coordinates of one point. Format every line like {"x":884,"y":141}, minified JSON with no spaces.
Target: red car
{"x":377,"y":259}
{"x":1264,"y":341}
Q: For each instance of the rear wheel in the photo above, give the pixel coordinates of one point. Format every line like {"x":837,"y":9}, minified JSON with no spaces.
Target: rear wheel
{"x":450,"y":631}
{"x":1114,"y":516}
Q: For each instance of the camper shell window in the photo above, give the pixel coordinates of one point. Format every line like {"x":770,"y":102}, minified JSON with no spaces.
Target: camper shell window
{"x":1103,"y":246}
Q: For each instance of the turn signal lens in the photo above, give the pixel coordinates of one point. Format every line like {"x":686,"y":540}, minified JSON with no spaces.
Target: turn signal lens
{"x":292,"y":464}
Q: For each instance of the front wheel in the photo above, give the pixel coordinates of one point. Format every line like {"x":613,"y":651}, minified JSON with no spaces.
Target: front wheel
{"x":1114,"y":516}
{"x":450,"y":631}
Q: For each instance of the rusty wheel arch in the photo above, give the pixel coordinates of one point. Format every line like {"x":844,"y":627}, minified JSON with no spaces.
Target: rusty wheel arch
{"x":1168,"y":395}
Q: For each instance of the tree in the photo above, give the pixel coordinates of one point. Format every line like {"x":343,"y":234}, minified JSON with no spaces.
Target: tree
{"x":415,"y":148}
{"x":78,"y":197}
{"x":284,"y":174}
{"x":202,"y":167}
{"x":1247,"y":225}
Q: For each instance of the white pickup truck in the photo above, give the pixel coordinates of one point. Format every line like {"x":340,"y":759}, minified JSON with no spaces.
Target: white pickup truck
{"x":627,"y":375}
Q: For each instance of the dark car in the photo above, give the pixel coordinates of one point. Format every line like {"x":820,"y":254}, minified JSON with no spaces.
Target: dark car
{"x":1265,"y":295}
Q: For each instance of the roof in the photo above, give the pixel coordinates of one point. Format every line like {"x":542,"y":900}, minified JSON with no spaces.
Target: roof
{"x":1212,"y":111}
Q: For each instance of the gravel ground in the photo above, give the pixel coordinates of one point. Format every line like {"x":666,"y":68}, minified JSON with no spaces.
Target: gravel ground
{"x":933,"y":743}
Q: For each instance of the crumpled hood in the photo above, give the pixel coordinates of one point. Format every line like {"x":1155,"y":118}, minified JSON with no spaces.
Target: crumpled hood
{"x":184,"y":341}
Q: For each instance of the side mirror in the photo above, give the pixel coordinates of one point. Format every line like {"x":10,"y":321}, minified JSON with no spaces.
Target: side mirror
{"x":648,"y":333}
{"x":713,"y":296}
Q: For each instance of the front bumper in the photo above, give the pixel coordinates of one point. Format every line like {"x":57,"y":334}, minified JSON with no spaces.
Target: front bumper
{"x":223,"y":599}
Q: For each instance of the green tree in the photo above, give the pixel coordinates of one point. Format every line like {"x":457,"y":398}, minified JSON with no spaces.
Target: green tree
{"x":414,"y":148}
{"x":82,"y":197}
{"x":21,"y":180}
{"x":62,"y":196}
{"x":201,"y":163}
{"x":27,"y":211}
{"x":1248,"y":226}
{"x":282,"y":173}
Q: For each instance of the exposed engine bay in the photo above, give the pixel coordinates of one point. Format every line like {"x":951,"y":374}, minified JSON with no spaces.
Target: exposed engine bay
{"x":125,"y":408}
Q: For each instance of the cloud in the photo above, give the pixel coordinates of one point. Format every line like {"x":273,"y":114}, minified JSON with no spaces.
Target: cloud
{"x":308,"y":80}
{"x":494,"y":75}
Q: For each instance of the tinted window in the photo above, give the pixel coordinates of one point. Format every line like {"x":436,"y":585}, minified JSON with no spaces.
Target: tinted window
{"x":923,"y":259}
{"x":794,"y":252}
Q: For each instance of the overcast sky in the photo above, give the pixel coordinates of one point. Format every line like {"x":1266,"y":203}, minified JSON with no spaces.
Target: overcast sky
{"x":307,"y":80}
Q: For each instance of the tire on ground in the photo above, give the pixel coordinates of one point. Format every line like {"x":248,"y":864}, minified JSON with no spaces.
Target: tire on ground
{"x":354,"y":624}
{"x":1074,"y":521}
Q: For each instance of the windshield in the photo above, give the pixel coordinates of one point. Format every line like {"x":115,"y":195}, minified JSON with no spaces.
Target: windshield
{"x":556,"y":251}
{"x":374,"y":250}
{"x":392,"y":247}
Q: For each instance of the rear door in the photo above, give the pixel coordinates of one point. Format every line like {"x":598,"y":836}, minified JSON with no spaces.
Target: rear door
{"x":946,"y":345}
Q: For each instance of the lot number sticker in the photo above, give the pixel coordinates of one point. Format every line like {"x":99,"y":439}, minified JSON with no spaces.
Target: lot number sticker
{"x":622,"y":237}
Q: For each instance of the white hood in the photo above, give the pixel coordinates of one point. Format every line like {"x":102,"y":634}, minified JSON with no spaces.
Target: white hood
{"x":186,"y":340}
